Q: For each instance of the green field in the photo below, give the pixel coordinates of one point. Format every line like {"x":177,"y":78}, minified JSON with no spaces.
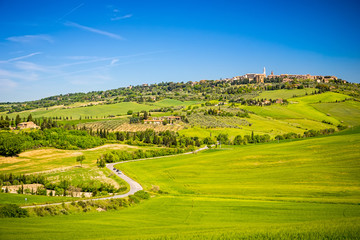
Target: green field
{"x":285,"y":93}
{"x":348,"y":112}
{"x":99,"y":111}
{"x":303,"y":189}
{"x":324,"y":97}
{"x":292,"y":189}
{"x":273,"y":171}
{"x":57,"y":165}
{"x":49,"y":159}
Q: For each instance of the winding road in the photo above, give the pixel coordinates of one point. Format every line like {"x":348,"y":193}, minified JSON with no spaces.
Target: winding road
{"x":134,"y":186}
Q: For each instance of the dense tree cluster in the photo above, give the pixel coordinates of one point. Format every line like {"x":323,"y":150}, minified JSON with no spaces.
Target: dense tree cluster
{"x":14,"y":143}
{"x":7,"y":179}
{"x":117,"y":156}
{"x":249,"y":139}
{"x":12,"y":211}
{"x":163,"y":138}
{"x":63,"y":188}
{"x":309,"y":133}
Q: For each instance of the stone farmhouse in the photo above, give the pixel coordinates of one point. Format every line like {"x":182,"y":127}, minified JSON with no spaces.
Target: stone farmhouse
{"x":27,"y":125}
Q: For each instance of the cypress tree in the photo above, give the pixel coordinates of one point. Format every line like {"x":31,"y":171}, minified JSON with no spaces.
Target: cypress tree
{"x":17,"y":119}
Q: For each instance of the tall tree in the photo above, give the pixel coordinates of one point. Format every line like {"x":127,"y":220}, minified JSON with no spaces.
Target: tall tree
{"x":17,"y":120}
{"x":30,"y":118}
{"x":145,"y":115}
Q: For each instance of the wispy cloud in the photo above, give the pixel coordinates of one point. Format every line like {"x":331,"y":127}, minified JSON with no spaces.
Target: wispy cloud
{"x":71,"y":11}
{"x":114,"y":61}
{"x":20,"y":58}
{"x":29,"y":38}
{"x":94,"y":59}
{"x":94,"y":30}
{"x":121,"y":17}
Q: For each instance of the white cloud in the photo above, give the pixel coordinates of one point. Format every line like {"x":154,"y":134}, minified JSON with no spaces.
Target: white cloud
{"x":94,"y":30}
{"x":121,"y":17}
{"x":114,"y":61}
{"x":30,"y":38}
{"x":21,"y":57}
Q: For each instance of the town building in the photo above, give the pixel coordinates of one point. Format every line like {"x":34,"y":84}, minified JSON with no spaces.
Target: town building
{"x":259,"y":78}
{"x":27,"y":125}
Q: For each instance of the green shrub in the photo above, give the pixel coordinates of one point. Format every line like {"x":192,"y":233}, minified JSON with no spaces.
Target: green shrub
{"x":12,"y":211}
{"x":134,"y":199}
{"x":11,"y":144}
{"x":142,"y":194}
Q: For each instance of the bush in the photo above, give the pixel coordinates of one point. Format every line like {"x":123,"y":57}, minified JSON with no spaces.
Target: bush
{"x":134,"y":199}
{"x":142,"y":194}
{"x":11,"y":144}
{"x":12,"y":211}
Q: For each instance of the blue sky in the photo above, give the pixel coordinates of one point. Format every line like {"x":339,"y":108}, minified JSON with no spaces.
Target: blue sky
{"x":57,"y":47}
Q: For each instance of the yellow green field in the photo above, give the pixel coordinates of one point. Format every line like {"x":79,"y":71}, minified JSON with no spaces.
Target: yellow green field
{"x":285,"y":93}
{"x":264,"y":191}
{"x":98,"y":111}
{"x":307,"y":188}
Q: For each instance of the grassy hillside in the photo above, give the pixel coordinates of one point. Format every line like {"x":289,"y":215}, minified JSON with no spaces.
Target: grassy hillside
{"x":57,"y":165}
{"x":285,"y":93}
{"x":298,"y":116}
{"x":325,"y":170}
{"x":348,"y":112}
{"x":259,"y":125}
{"x":47,"y":159}
{"x":324,"y":97}
{"x":265,"y":191}
{"x":305,"y":108}
{"x":99,"y":111}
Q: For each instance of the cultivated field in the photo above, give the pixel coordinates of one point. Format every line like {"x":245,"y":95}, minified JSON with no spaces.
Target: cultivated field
{"x":285,"y":94}
{"x":292,"y":189}
{"x":125,"y":126}
{"x":248,"y":192}
{"x":99,"y":111}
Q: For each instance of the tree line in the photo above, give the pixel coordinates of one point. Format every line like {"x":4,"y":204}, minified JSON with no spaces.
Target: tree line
{"x":12,"y":143}
{"x":117,"y":156}
{"x":63,"y":188}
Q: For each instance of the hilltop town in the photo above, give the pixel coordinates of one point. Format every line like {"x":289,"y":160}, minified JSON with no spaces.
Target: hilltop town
{"x":263,"y":78}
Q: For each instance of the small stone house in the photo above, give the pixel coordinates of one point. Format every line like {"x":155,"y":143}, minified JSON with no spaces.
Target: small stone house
{"x":28,"y":125}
